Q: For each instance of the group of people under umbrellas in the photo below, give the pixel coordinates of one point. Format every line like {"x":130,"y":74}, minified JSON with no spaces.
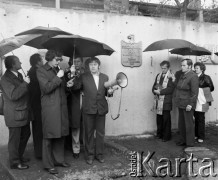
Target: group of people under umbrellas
{"x":191,"y":91}
{"x":56,"y":101}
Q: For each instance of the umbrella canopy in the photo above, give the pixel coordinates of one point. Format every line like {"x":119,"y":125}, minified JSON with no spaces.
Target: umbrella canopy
{"x":75,"y":45}
{"x":12,"y":43}
{"x":193,"y":51}
{"x":168,"y":44}
{"x":46,"y":33}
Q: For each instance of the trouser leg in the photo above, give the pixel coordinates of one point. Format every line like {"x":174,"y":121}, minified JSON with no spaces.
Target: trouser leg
{"x":166,"y":125}
{"x":201,"y":125}
{"x":53,"y":152}
{"x":68,"y":140}
{"x":24,"y":137}
{"x":89,"y":121}
{"x":76,"y":140}
{"x":47,"y":157}
{"x":37,"y":135}
{"x":100,"y":133}
{"x":58,"y":149}
{"x":159,"y":121}
{"x":13,"y":145}
{"x":182,"y":129}
{"x":189,"y":125}
{"x":196,"y":123}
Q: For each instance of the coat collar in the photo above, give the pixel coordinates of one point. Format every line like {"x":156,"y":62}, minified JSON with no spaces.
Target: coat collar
{"x":93,"y":81}
{"x":47,"y":67}
{"x":187,"y":74}
{"x":11,"y":74}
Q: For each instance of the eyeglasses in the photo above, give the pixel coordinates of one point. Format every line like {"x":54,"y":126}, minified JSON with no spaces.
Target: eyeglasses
{"x":58,"y":59}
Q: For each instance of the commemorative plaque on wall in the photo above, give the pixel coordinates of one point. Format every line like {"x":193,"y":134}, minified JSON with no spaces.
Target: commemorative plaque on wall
{"x":131,"y":54}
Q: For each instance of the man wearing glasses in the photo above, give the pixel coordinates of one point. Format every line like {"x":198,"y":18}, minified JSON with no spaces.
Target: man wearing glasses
{"x":55,"y":122}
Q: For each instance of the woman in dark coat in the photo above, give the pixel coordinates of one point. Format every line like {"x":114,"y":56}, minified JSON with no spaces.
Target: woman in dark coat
{"x":199,"y":114}
{"x":35,"y":103}
{"x":55,"y":121}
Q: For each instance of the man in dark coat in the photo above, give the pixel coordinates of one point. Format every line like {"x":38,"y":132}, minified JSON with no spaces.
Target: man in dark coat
{"x":55,"y":121}
{"x":35,"y":102}
{"x":94,"y":109}
{"x":16,"y":111}
{"x":163,"y":89}
{"x":185,"y":99}
{"x":74,"y":101}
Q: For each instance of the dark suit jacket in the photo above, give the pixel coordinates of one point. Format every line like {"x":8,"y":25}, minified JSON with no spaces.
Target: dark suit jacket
{"x":16,"y":100}
{"x":187,"y":90}
{"x":94,"y":100}
{"x":34,"y":91}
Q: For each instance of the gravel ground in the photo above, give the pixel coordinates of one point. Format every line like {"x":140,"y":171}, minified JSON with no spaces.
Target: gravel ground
{"x":167,"y":149}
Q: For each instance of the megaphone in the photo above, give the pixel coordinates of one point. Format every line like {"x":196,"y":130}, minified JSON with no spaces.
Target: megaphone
{"x":121,"y":80}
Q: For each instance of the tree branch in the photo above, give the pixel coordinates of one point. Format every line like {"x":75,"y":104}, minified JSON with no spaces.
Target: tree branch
{"x":178,"y":3}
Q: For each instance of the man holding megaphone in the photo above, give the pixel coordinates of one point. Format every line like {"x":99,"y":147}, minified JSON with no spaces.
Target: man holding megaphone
{"x":94,"y":108}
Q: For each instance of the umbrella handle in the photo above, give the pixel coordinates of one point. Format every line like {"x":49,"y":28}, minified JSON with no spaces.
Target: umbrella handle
{"x":74,"y":53}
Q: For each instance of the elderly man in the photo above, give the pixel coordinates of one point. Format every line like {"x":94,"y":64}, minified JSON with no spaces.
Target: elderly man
{"x":163,"y":89}
{"x":186,"y":98}
{"x":16,"y":111}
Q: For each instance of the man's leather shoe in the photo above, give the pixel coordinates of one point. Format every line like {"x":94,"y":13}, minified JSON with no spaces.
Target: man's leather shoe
{"x":76,"y":155}
{"x":101,"y":160}
{"x":64,"y":164}
{"x":52,"y":170}
{"x":24,"y":160}
{"x":19,"y":166}
{"x":180,"y":144}
{"x":89,"y":161}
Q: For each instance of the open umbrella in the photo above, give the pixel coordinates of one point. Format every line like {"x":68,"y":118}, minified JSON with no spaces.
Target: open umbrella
{"x":168,"y":44}
{"x":192,"y":51}
{"x":75,"y":45}
{"x":12,"y":43}
{"x":46,"y":33}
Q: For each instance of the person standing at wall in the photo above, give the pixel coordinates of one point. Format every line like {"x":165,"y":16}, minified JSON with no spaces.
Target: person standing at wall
{"x":55,"y":121}
{"x":74,"y":108}
{"x":94,"y":109}
{"x":16,"y":111}
{"x":203,"y":101}
{"x":35,"y":103}
{"x":163,"y":89}
{"x":185,"y":100}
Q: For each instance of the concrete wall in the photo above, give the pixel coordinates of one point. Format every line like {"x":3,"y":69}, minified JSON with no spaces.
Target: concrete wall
{"x":136,"y":115}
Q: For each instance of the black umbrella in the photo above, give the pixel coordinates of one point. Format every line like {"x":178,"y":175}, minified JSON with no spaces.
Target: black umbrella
{"x":75,"y":45}
{"x":193,"y":51}
{"x":168,"y":44}
{"x":46,"y":33}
